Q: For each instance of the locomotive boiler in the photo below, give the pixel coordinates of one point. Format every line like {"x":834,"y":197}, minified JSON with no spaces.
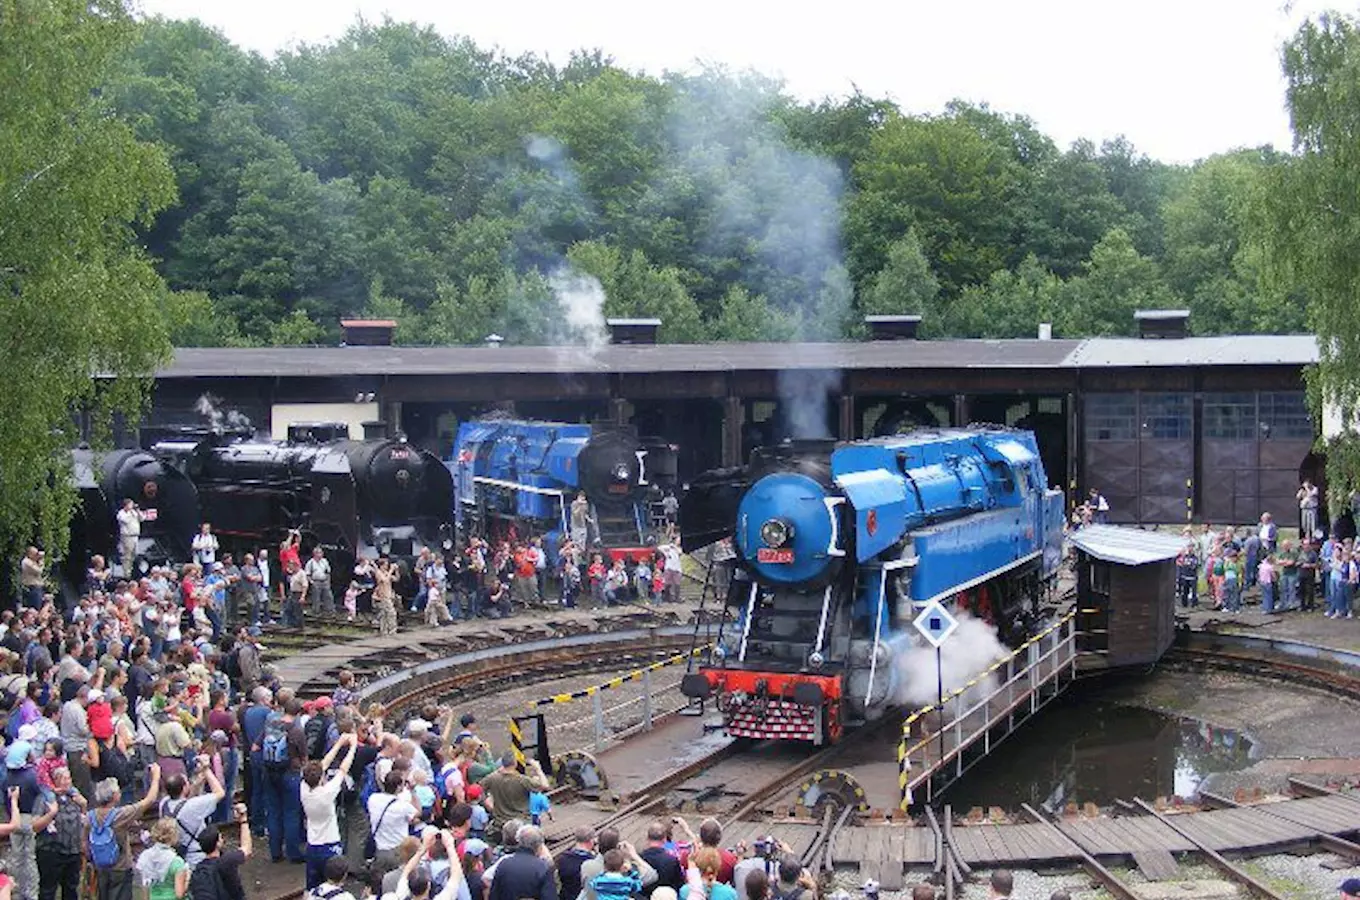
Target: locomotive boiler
{"x":166,"y":497}
{"x":839,"y":546}
{"x":525,"y":475}
{"x":356,"y":498}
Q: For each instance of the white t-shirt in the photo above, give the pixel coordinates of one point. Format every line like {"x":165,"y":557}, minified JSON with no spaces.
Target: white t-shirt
{"x":389,"y":818}
{"x":318,"y":807}
{"x":205,"y":548}
{"x":192,"y":815}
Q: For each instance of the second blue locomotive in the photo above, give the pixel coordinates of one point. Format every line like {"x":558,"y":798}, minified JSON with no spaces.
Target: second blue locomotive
{"x":839,"y":546}
{"x":532,"y":476}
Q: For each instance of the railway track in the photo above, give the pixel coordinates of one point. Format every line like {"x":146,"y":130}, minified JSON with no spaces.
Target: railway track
{"x":1259,"y":658}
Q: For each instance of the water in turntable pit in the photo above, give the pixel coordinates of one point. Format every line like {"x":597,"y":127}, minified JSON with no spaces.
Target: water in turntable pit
{"x":1094,"y":751}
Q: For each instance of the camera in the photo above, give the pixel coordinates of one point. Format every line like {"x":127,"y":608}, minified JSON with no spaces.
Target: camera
{"x":765,"y":846}
{"x":871,"y":889}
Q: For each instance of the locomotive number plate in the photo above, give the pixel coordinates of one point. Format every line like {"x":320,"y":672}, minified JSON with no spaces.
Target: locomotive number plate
{"x":773,"y":555}
{"x":618,"y":489}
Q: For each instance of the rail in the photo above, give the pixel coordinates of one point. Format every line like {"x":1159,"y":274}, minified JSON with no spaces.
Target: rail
{"x":595,"y":692}
{"x":1047,"y":658}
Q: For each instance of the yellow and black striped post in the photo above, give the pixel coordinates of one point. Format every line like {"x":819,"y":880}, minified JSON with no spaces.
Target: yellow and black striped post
{"x":620,"y":680}
{"x":517,"y":744}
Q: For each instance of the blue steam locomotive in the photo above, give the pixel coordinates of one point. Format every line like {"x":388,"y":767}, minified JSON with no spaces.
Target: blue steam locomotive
{"x":528,"y":475}
{"x":839,"y":546}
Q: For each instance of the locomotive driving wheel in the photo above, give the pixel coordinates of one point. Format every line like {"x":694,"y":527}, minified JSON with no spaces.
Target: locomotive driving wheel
{"x":831,"y":789}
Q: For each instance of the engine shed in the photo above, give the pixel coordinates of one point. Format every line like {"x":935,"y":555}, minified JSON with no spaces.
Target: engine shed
{"x":1126,"y":595}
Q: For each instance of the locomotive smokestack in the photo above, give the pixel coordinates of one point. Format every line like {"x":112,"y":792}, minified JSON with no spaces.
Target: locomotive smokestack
{"x":375,"y":431}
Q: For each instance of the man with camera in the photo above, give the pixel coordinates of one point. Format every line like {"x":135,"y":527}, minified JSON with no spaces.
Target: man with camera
{"x":775,"y":859}
{"x":32,"y":578}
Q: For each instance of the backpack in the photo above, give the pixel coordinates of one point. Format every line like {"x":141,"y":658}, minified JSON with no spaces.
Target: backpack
{"x":315,"y":733}
{"x":368,"y":784}
{"x":12,"y":726}
{"x":441,"y":782}
{"x":206,"y":883}
{"x":231,"y":666}
{"x":274,"y":748}
{"x":103,"y":843}
{"x":113,"y":763}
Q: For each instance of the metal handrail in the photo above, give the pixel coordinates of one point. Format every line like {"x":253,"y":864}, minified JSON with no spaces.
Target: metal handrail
{"x":1063,"y":635}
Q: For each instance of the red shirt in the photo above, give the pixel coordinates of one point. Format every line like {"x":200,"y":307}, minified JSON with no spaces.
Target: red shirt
{"x":186,"y":590}
{"x":289,"y":555}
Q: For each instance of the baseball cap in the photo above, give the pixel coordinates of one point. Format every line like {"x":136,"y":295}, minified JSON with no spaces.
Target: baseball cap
{"x":322,"y":703}
{"x":474,"y":792}
{"x":96,"y":695}
{"x":475,"y":846}
{"x":467,"y":719}
{"x":1351,"y":886}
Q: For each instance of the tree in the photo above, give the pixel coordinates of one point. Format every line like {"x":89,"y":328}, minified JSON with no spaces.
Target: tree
{"x":81,"y":299}
{"x":744,"y":317}
{"x":905,"y":285}
{"x":1310,"y":220}
{"x":298,"y":328}
{"x":1118,"y":280}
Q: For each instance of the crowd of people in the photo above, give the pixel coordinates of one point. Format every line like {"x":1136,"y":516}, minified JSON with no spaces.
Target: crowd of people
{"x":1228,"y":567}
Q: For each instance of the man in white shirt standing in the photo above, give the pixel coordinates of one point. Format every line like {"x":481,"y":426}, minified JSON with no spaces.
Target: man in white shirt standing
{"x":319,"y":583}
{"x":129,"y":533}
{"x":318,"y":807}
{"x":205,"y":547}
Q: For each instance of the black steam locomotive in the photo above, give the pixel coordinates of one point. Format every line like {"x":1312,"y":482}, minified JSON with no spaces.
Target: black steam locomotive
{"x":355,"y":498}
{"x":165,"y":495}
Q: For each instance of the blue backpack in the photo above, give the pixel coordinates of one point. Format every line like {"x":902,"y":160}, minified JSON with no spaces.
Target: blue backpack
{"x":368,"y":784}
{"x":103,"y":843}
{"x":274,"y":749}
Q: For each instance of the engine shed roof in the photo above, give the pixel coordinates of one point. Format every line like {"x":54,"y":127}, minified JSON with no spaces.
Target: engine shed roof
{"x":1126,"y":546}
{"x":212,"y":362}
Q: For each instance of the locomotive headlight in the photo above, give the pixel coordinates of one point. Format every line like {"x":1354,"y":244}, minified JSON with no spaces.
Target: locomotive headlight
{"x":620,"y":472}
{"x":816,"y":660}
{"x":776,"y":532}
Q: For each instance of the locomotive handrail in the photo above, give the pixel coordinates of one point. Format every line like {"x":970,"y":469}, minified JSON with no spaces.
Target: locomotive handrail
{"x":906,"y":750}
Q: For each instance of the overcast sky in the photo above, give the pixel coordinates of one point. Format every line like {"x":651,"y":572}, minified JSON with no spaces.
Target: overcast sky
{"x":1181,"y":78}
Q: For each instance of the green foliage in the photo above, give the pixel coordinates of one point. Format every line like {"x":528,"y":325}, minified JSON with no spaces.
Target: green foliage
{"x":462,"y":181}
{"x":1310,"y":218}
{"x":297,"y":329}
{"x":80,"y":296}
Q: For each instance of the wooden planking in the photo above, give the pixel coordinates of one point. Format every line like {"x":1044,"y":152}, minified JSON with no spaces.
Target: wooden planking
{"x":918,"y":846}
{"x":1156,"y":865}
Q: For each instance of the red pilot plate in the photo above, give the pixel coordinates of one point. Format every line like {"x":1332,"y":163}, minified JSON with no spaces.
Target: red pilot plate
{"x":772,"y":555}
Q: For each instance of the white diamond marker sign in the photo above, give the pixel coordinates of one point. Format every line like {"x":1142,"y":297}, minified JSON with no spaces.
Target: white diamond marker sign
{"x":936,"y":623}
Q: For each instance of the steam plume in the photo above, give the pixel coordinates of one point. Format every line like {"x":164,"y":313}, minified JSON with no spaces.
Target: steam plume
{"x":209,"y":408}
{"x":582,"y":300}
{"x":970,"y":649}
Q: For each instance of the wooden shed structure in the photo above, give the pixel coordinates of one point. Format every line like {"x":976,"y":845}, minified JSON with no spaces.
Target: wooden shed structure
{"x":1126,"y":595}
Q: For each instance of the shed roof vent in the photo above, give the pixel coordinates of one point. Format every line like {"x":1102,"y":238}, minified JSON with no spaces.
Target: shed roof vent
{"x":892,"y":328}
{"x":368,"y":332}
{"x":494,"y":340}
{"x":1162,"y":323}
{"x":633,"y":331}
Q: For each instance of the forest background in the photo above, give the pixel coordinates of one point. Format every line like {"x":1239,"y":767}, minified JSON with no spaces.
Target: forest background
{"x":398,"y":173}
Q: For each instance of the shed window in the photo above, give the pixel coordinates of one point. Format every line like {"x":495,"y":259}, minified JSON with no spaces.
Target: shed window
{"x":1111,"y":417}
{"x":1166,"y":417}
{"x":1285,"y":414}
{"x":1230,"y":417}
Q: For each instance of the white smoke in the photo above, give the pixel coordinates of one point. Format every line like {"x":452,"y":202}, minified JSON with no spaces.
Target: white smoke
{"x":972,"y":648}
{"x":582,"y":300}
{"x":209,"y":408}
{"x":803,"y":397}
